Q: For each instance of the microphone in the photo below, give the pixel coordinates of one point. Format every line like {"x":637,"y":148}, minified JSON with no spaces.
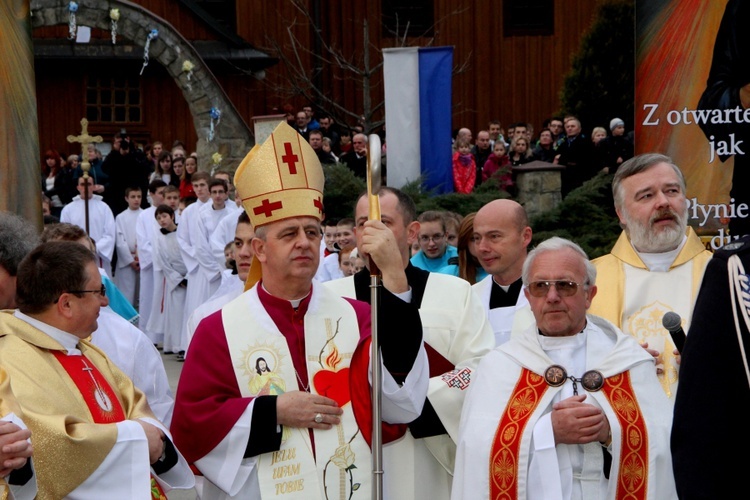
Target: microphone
{"x":673,"y":323}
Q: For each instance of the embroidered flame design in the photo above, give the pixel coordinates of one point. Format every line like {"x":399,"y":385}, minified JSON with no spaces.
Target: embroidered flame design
{"x":333,"y":359}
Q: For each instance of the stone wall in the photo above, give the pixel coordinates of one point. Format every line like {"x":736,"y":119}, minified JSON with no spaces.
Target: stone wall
{"x":538,"y":186}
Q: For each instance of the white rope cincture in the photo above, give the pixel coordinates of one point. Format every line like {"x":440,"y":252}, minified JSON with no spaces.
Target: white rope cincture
{"x":739,"y":290}
{"x":152,"y":35}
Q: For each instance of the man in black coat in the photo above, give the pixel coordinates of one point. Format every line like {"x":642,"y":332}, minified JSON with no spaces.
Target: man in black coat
{"x":709,"y":427}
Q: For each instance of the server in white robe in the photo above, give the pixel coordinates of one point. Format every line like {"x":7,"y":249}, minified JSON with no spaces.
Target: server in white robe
{"x":188,"y":233}
{"x":209,"y":217}
{"x":101,"y":222}
{"x":167,"y":254}
{"x":243,"y":257}
{"x":127,"y":271}
{"x":550,"y":407}
{"x":224,"y":232}
{"x":145,"y":228}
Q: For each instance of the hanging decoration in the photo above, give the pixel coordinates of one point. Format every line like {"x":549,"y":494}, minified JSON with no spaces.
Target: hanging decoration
{"x":215,"y":119}
{"x":114,"y":15}
{"x":216,"y":158}
{"x":187,"y":68}
{"x":151,"y":36}
{"x":72,"y":8}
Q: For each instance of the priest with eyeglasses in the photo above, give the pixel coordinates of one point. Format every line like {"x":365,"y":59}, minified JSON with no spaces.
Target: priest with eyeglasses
{"x":569,"y":408}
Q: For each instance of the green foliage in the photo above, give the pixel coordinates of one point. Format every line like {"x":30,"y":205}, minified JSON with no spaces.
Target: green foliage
{"x":601,"y":82}
{"x":342,"y":189}
{"x":586,"y":216}
{"x":461,"y":203}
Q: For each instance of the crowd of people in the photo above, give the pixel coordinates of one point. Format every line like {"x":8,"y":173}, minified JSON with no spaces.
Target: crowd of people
{"x":561,"y":141}
{"x":507,"y":371}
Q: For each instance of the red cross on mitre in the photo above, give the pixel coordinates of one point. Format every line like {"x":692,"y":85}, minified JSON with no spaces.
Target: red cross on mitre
{"x":318,"y":203}
{"x":267,"y":208}
{"x":289,"y":158}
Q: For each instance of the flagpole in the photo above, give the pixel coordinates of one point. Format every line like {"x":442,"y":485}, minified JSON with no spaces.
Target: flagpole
{"x":373,"y":186}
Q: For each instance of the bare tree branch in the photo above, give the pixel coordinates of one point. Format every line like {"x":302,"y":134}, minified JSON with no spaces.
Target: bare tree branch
{"x":361,"y":68}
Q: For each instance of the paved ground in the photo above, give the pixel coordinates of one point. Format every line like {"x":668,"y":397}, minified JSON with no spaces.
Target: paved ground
{"x":173,"y":368}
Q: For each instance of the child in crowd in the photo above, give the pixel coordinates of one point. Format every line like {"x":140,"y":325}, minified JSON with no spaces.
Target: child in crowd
{"x":498,"y":166}
{"x":327,"y":148}
{"x":598,"y":134}
{"x":464,"y":168}
{"x":358,"y":263}
{"x":174,"y":285}
{"x":345,"y":260}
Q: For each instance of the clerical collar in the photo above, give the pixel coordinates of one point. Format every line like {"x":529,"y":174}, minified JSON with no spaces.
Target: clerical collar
{"x":505,"y":296}
{"x":164,"y":230}
{"x":661,"y":262}
{"x":294,"y":303}
{"x":67,"y":340}
{"x":567,"y":342}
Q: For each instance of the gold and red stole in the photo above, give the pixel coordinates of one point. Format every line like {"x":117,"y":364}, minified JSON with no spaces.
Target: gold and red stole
{"x":632,"y":477}
{"x":101,"y":400}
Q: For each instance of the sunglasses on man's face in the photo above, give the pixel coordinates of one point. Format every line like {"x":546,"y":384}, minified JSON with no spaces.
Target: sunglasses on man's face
{"x":562,"y":287}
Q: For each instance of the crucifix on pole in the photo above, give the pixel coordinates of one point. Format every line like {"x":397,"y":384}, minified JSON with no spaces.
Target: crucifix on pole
{"x":85,"y":139}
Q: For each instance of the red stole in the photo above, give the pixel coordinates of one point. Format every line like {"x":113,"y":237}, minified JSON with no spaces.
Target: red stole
{"x":99,"y":397}
{"x":632,"y":478}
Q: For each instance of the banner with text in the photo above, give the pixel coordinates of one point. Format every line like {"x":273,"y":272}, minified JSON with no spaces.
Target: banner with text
{"x":693,"y":104}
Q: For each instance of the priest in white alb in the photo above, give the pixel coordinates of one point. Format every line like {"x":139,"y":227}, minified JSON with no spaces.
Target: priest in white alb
{"x":568,"y":409}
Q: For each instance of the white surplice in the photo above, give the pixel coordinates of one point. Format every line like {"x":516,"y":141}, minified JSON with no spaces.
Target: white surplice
{"x":101,"y":226}
{"x":126,"y":245}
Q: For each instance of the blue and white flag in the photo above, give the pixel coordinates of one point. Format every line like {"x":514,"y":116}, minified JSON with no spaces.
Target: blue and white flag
{"x":418,"y":116}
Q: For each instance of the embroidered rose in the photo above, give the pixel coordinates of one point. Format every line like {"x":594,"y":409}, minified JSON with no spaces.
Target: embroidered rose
{"x":343,"y":458}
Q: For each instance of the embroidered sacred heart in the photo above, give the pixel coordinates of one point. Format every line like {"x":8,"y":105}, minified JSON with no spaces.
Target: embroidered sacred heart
{"x":334,"y":385}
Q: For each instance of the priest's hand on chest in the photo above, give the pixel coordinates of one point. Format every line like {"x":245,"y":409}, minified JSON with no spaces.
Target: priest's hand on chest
{"x":302,"y":409}
{"x":577,"y":422}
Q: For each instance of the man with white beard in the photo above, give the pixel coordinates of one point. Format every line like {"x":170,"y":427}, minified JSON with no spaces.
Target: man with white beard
{"x":657,"y":264}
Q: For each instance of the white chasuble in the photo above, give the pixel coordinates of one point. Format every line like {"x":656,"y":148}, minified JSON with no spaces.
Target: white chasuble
{"x":340,"y":468}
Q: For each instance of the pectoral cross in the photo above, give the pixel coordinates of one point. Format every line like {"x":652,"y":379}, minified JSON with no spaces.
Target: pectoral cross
{"x":85,"y":139}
